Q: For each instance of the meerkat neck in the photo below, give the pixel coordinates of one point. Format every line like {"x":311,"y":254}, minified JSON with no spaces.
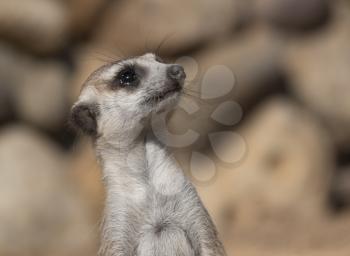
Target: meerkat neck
{"x":124,"y":165}
{"x":125,"y":178}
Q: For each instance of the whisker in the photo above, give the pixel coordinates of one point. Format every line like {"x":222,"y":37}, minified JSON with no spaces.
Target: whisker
{"x":193,"y":82}
{"x":106,"y":57}
{"x":186,"y":87}
{"x":93,"y":58}
{"x":120,"y":51}
{"x":94,"y":55}
{"x":191,"y":90}
{"x":146,"y":47}
{"x":162,"y":43}
{"x":197,"y":98}
{"x":112,"y":53}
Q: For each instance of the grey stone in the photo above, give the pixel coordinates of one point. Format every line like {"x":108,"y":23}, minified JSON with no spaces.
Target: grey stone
{"x":41,"y":213}
{"x":39,"y":25}
{"x":137,"y":26}
{"x":318,"y":68}
{"x":293,"y":14}
{"x":37,"y":90}
{"x":285,"y":173}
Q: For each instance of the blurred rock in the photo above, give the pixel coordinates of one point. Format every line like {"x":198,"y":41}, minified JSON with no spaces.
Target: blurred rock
{"x":41,"y":213}
{"x":255,"y":61}
{"x":284,"y":175}
{"x":86,"y":174}
{"x":5,"y":97}
{"x":40,"y":25}
{"x":340,"y":192}
{"x":243,"y":70}
{"x":42,"y":97}
{"x":8,"y":79}
{"x":318,"y":68}
{"x":5,"y":102}
{"x":138,"y":26}
{"x":326,"y":237}
{"x":36,"y":89}
{"x":293,"y":14}
{"x":83,"y":14}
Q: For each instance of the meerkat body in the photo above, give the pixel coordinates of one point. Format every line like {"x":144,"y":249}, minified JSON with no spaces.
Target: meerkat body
{"x":151,"y":209}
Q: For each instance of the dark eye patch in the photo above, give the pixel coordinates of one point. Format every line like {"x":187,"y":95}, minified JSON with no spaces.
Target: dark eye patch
{"x":127,"y":76}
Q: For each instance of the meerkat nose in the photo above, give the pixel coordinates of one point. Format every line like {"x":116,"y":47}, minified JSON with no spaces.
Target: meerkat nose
{"x":176,"y":72}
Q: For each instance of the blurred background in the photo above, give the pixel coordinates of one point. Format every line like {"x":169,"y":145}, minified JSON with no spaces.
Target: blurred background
{"x":287,"y":194}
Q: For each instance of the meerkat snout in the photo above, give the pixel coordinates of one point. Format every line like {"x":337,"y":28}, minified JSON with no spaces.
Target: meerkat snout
{"x":176,"y":73}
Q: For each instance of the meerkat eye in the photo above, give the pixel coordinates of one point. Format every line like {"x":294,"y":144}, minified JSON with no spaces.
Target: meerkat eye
{"x":127,"y":77}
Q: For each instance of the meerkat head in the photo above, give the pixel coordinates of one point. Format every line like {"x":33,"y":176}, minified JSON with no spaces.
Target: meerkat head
{"x":121,"y":95}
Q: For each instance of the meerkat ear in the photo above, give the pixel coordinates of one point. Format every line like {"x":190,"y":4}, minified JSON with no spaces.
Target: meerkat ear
{"x":84,"y":117}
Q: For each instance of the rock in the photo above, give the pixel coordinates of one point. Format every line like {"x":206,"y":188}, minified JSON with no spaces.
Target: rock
{"x":42,"y":97}
{"x":326,"y":237}
{"x":86,"y":174}
{"x":41,"y":213}
{"x":83,"y":15}
{"x":293,"y":14}
{"x":239,"y":72}
{"x":37,"y":89}
{"x":8,"y":79}
{"x":40,"y":25}
{"x":5,"y":102}
{"x":318,"y":68}
{"x":285,"y":173}
{"x":340,"y":191}
{"x":138,"y":26}
{"x":255,"y":61}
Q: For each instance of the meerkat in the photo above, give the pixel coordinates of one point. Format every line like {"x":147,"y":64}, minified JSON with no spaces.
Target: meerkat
{"x":151,"y":208}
